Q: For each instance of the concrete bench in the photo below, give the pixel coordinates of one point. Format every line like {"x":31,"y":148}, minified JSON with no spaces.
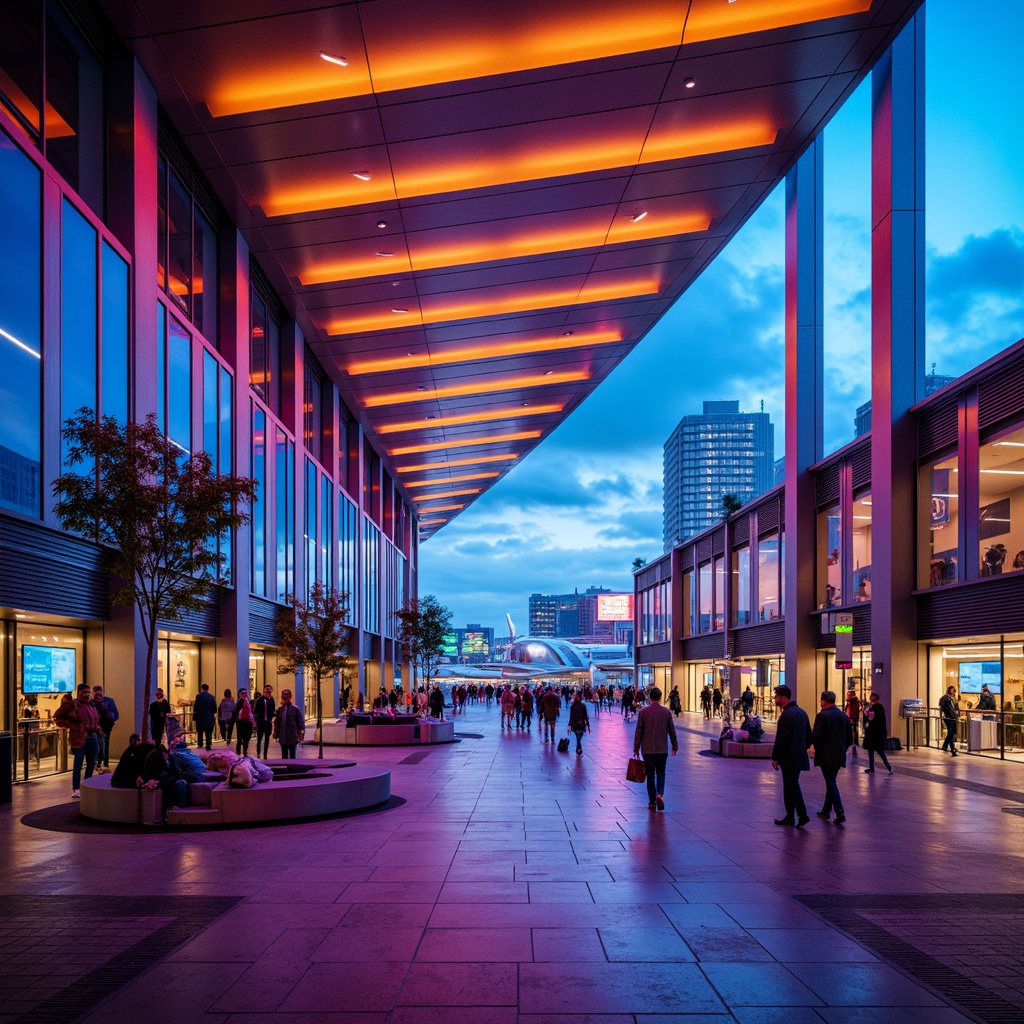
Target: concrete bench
{"x":338,"y":733}
{"x":731,"y":748}
{"x":311,"y":789}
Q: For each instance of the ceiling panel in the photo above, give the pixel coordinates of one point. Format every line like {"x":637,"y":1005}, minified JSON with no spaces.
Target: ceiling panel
{"x":475,"y":210}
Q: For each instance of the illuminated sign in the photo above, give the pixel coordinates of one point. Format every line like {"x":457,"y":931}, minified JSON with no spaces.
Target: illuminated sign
{"x":475,"y":643}
{"x":614,"y":607}
{"x":450,"y":645}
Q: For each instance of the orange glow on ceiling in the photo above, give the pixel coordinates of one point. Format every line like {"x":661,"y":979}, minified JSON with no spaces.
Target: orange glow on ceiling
{"x":481,"y":387}
{"x":407,"y":53}
{"x":463,"y":478}
{"x":446,"y":494}
{"x":435,"y":310}
{"x":428,"y":466}
{"x":433,"y":252}
{"x":494,"y":350}
{"x":495,"y":164}
{"x":433,"y":522}
{"x":712,"y":19}
{"x":489,"y":416}
{"x":441,"y":508}
{"x":465,"y":442}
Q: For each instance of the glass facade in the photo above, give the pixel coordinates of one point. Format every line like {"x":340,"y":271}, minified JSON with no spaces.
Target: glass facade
{"x":21,"y":343}
{"x":861,"y":530}
{"x":768,"y":606}
{"x":830,"y":557}
{"x":1001,"y":502}
{"x":741,"y":587}
{"x":940,"y":483}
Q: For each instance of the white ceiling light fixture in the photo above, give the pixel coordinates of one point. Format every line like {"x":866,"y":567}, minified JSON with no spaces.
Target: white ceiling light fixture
{"x":637,"y":217}
{"x":689,"y":83}
{"x":361,"y":175}
{"x":332,"y":59}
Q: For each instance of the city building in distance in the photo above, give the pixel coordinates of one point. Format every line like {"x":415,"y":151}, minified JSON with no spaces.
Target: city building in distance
{"x":722,"y":451}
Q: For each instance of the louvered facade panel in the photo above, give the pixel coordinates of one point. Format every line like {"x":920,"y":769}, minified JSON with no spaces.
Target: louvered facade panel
{"x":1001,"y":395}
{"x":860,"y":464}
{"x":203,"y":622}
{"x":262,"y":621}
{"x":937,"y":428}
{"x":985,"y":608}
{"x":759,"y":641}
{"x":654,"y":654}
{"x":704,"y":648}
{"x":826,"y":485}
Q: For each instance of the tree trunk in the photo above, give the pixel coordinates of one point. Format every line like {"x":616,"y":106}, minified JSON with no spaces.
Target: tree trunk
{"x":320,"y":714}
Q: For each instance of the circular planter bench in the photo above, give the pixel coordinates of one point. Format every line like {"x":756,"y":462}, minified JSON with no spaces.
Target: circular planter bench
{"x":303,"y":790}
{"x":400,"y":734}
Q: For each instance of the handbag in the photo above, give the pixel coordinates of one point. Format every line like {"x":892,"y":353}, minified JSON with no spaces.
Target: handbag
{"x":636,"y":770}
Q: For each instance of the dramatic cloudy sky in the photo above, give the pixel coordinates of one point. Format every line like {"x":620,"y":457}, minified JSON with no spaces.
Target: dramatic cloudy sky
{"x":585,"y":503}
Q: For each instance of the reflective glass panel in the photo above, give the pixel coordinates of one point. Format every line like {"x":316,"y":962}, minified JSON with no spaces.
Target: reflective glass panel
{"x":20,"y":331}
{"x":719,"y":592}
{"x":114,"y":350}
{"x":21,"y":64}
{"x":830,"y":558}
{"x":1001,"y":503}
{"x":204,"y":278}
{"x":259,"y":510}
{"x":940,"y":485}
{"x":179,"y":386}
{"x":862,"y":548}
{"x":704,"y":598}
{"x":179,"y":243}
{"x":768,"y":577}
{"x":741,"y":587}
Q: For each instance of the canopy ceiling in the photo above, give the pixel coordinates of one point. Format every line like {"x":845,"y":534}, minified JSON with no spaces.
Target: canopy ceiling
{"x":475,"y":209}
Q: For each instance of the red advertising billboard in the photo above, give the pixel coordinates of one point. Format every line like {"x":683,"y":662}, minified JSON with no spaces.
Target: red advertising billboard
{"x":614,"y":607}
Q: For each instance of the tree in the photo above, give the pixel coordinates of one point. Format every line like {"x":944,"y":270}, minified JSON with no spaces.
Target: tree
{"x":422,"y":626}
{"x":730,"y":503}
{"x":164,"y":517}
{"x":315,"y":637}
{"x":639,"y":563}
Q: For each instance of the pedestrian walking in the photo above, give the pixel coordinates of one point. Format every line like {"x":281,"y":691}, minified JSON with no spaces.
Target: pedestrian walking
{"x":579,"y":721}
{"x":107,"y":710}
{"x":82,"y":721}
{"x":655,"y":730}
{"x":831,"y":735}
{"x":853,"y":713}
{"x":289,"y":725}
{"x":789,"y":755}
{"x":244,"y":720}
{"x":876,"y":731}
{"x":674,"y":703}
{"x":264,"y":709}
{"x":204,"y":714}
{"x":226,"y":716}
{"x":949,"y":708}
{"x":159,"y":709}
{"x":550,"y":709}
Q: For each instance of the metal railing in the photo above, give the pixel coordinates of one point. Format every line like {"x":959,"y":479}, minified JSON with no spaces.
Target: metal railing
{"x":988,"y":733}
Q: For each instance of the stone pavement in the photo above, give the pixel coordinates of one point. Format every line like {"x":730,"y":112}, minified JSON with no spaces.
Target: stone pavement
{"x":508,"y":884}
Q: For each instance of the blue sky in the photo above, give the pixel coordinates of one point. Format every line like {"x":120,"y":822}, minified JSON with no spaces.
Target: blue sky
{"x":586,"y":502}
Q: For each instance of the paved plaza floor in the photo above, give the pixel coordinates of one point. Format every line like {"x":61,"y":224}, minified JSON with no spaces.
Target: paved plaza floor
{"x":506,"y":883}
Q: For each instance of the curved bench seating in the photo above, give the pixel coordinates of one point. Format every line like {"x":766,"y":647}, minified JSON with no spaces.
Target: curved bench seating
{"x":730,"y":748}
{"x":314,"y":789}
{"x":339,"y":734}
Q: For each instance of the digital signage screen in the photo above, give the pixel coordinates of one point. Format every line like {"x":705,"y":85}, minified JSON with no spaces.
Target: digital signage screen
{"x":976,"y":674}
{"x":614,"y":607}
{"x":450,"y":645}
{"x":475,"y":643}
{"x":48,"y":669}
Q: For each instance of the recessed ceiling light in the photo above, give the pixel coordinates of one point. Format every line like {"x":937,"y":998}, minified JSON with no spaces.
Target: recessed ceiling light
{"x":637,"y":217}
{"x":566,"y":334}
{"x":398,"y":309}
{"x":361,"y":175}
{"x":421,"y":388}
{"x":547,"y":373}
{"x":382,"y":223}
{"x":331,"y":59}
{"x":385,"y":252}
{"x":689,"y":83}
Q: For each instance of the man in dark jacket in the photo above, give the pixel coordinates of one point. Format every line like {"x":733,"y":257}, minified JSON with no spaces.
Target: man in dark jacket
{"x":204,"y":714}
{"x":789,"y":755}
{"x":264,"y":710}
{"x":654,"y":731}
{"x":832,"y":735}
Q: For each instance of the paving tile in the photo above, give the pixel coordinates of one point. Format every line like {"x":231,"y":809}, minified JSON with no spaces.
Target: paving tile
{"x":863,"y":985}
{"x":557,"y":945}
{"x":441,"y":984}
{"x":392,"y":892}
{"x":362,"y":986}
{"x":765,"y":984}
{"x":615,"y":988}
{"x":640,"y":945}
{"x":367,"y":943}
{"x":792,"y":945}
{"x":483,"y":892}
{"x":475,"y":945}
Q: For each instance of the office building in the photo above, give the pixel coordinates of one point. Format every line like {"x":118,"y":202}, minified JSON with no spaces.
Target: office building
{"x":722,"y":451}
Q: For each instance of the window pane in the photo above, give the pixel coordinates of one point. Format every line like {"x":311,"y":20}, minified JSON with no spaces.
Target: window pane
{"x":1001,"y":501}
{"x":741,"y":587}
{"x":161,"y":367}
{"x":179,"y":243}
{"x":20,"y":331}
{"x":204,"y":280}
{"x":830,"y":561}
{"x":258,"y":347}
{"x":179,"y":386}
{"x":259,"y":508}
{"x":282,"y":497}
{"x":227,"y":387}
{"x":861,"y":530}
{"x":114,"y":367}
{"x":211,"y":432}
{"x":720,"y":592}
{"x":161,"y":224}
{"x":704,"y":598}
{"x":77,"y":314}
{"x":940,"y":481}
{"x":847,"y":266}
{"x":768,"y":577}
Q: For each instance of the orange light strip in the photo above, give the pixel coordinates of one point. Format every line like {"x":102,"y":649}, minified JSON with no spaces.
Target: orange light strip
{"x":471,"y":417}
{"x":494,"y":305}
{"x":467,"y":442}
{"x":512,"y":37}
{"x":426,"y":466}
{"x":495,"y":350}
{"x":446,"y":494}
{"x":437,"y":255}
{"x":463,"y":478}
{"x":478,"y":388}
{"x":712,"y":19}
{"x":440,"y":508}
{"x":433,"y":522}
{"x":502,"y":167}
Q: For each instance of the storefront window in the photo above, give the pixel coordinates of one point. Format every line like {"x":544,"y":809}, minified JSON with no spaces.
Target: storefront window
{"x":741,"y":587}
{"x":830,"y":559}
{"x":257,"y":670}
{"x":704,"y":598}
{"x":768,"y":577}
{"x":862,"y":548}
{"x":20,"y":331}
{"x":940,"y":563}
{"x":1001,"y":503}
{"x":178,"y":670}
{"x":720,"y":592}
{"x":691,"y":602}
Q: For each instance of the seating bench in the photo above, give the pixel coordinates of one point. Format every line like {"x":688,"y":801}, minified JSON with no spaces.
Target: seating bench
{"x":386,"y":734}
{"x":731,"y":748}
